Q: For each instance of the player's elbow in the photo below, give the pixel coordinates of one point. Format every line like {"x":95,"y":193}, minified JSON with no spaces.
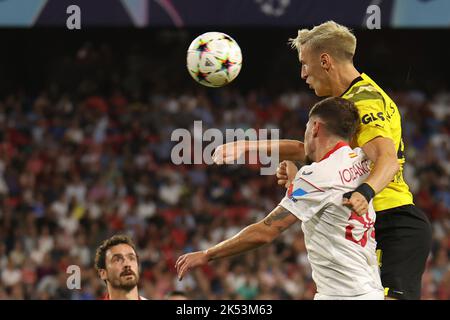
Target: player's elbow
{"x":292,"y":150}
{"x":393,"y":164}
{"x":388,"y":161}
{"x":395,"y":167}
{"x":299,"y":151}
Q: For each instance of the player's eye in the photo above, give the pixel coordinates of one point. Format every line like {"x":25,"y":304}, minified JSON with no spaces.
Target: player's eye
{"x":118,"y":259}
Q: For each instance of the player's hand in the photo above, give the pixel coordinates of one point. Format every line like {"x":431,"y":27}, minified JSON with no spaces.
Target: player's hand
{"x":357,"y":203}
{"x":282,"y":177}
{"x":189,"y":261}
{"x":228,"y":153}
{"x":286,"y":172}
{"x":291,"y":170}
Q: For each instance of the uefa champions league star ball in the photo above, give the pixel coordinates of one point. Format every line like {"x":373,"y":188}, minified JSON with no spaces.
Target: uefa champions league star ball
{"x":214,"y":59}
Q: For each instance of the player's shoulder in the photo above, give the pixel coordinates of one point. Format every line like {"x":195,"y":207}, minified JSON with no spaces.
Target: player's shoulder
{"x":310,"y":177}
{"x":365,"y":92}
{"x":340,"y":158}
{"x":322,"y":174}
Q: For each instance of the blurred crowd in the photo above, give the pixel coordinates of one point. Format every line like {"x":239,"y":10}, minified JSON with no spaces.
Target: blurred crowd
{"x":79,"y":166}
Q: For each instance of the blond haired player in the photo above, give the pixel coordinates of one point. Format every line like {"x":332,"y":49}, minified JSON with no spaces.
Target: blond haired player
{"x":340,"y":244}
{"x":403,"y":231}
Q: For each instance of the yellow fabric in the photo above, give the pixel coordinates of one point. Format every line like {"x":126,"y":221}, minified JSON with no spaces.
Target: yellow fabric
{"x":379,"y":257}
{"x":380,"y":118}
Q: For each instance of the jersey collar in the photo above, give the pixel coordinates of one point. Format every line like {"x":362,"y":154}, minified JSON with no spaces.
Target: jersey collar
{"x":359,"y":78}
{"x":338,"y":145}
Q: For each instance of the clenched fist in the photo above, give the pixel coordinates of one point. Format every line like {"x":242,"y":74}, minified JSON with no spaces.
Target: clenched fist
{"x":357,"y":202}
{"x":286,"y":172}
{"x":228,"y":153}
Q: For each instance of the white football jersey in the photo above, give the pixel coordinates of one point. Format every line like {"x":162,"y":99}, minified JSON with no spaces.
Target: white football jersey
{"x":341,"y":245}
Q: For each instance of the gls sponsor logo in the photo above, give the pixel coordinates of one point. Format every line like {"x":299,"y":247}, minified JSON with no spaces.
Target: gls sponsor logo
{"x":369,"y":117}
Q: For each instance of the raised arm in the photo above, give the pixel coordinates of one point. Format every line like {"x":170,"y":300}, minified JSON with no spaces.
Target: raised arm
{"x":230,"y":152}
{"x":381,"y":151}
{"x":249,"y":238}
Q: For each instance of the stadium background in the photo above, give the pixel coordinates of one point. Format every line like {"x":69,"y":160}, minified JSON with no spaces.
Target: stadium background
{"x":85,"y":124}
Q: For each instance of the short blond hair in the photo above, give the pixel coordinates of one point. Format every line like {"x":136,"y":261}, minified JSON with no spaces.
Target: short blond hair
{"x":330,"y":37}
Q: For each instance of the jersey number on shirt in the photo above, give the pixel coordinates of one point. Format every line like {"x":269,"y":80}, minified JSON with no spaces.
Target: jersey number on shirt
{"x":367,"y":224}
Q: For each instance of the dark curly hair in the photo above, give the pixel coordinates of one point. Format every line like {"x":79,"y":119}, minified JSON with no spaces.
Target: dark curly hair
{"x":100,"y":254}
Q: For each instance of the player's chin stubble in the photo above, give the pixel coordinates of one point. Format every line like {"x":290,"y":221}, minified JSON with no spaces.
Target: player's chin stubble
{"x":124,"y":284}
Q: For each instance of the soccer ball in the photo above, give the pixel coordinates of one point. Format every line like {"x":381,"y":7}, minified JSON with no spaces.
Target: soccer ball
{"x":214,"y":59}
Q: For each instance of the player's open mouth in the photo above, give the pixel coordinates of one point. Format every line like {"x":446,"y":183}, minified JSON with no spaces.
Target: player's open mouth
{"x":126,"y":274}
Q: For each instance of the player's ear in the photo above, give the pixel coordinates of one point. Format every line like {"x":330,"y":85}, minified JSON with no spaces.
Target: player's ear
{"x":325,"y":61}
{"x":315,"y":129}
{"x":102,"y":274}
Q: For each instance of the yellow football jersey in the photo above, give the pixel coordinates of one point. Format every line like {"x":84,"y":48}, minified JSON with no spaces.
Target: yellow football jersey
{"x":380,"y":118}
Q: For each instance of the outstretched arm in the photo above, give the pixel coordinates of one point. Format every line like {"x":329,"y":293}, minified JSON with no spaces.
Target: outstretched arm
{"x":287,"y":149}
{"x":249,"y":238}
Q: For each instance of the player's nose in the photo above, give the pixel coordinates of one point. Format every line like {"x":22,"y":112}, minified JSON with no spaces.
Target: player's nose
{"x":127,"y":269}
{"x":127,"y":264}
{"x":303,"y":74}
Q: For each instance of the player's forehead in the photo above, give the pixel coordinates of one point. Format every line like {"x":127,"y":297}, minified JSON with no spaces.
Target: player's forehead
{"x":120,"y":249}
{"x":304,"y":53}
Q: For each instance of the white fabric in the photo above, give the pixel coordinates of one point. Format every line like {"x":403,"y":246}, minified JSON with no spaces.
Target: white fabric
{"x":373,"y":295}
{"x":341,"y":246}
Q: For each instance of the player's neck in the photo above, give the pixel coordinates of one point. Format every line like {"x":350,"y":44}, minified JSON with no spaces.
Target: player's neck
{"x":342,"y":79}
{"x":117,"y":294}
{"x":324,"y":146}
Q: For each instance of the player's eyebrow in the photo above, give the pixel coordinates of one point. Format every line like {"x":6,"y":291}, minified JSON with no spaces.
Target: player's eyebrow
{"x":120,"y":255}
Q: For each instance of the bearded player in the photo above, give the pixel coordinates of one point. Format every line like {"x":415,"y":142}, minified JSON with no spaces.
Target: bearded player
{"x":117,"y":263}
